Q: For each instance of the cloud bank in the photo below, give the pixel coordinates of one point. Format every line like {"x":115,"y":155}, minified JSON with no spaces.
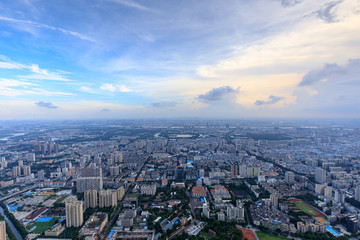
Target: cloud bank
{"x":48,"y":105}
{"x":219,"y":94}
{"x":272,"y":100}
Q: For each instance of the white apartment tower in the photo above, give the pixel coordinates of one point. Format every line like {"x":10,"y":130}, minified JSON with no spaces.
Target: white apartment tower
{"x":74,"y":212}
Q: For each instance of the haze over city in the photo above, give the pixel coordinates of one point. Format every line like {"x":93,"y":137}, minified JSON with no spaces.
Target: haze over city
{"x":163,"y":59}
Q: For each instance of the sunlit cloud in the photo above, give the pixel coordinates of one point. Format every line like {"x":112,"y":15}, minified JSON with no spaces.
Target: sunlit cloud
{"x":290,"y":58}
{"x":115,"y":88}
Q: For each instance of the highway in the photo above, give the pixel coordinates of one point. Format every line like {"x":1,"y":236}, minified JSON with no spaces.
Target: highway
{"x":14,"y":194}
{"x":11,"y":225}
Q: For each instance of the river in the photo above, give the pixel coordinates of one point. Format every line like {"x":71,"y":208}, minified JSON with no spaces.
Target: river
{"x":13,"y":229}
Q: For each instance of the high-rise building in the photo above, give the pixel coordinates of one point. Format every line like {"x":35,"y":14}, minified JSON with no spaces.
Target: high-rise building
{"x":110,"y":161}
{"x":102,"y":199}
{"x":256,"y":171}
{"x":74,"y":212}
{"x":114,"y":199}
{"x":89,"y":183}
{"x":16,"y":171}
{"x":234,"y":170}
{"x":235,"y":213}
{"x":20,"y":163}
{"x":41,"y":175}
{"x":202,"y":172}
{"x":46,"y":148}
{"x":91,"y":198}
{"x":320,"y":189}
{"x":83,"y":161}
{"x":139,"y":144}
{"x":357,"y":193}
{"x":52,"y":148}
{"x":339,"y":196}
{"x":206,"y":211}
{"x":120,"y":193}
{"x":243,"y":170}
{"x":30,"y":157}
{"x":107,"y":198}
{"x":148,"y":189}
{"x":2,"y":230}
{"x":3,"y":163}
{"x":117,"y":157}
{"x":221,"y":216}
{"x":97,"y":160}
{"x":249,"y":171}
{"x":352,"y":224}
{"x":91,"y":171}
{"x":289,"y":177}
{"x":320,"y":175}
{"x":274,"y":200}
{"x":114,"y":171}
{"x":26,"y":170}
{"x":328,"y":192}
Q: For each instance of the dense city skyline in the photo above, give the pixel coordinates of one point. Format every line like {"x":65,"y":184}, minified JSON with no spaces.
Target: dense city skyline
{"x":156,"y":59}
{"x":180,"y":179}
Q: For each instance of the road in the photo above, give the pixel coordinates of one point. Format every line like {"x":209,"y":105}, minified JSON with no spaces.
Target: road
{"x":14,"y":194}
{"x":191,"y":203}
{"x":118,"y":209}
{"x":115,"y":216}
{"x":192,"y":220}
{"x":12,"y":227}
{"x":254,"y":230}
{"x":181,"y":229}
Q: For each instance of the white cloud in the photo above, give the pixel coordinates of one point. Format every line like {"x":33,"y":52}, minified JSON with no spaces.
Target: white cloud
{"x":36,"y":69}
{"x":49,"y":76}
{"x":275,"y":65}
{"x":13,"y":83}
{"x":9,"y":65}
{"x":133,"y":4}
{"x":45,"y":26}
{"x":108,"y":87}
{"x":115,"y":88}
{"x":39,"y":73}
{"x":14,"y":88}
{"x":10,"y":92}
{"x":123,"y":88}
{"x":87,"y":89}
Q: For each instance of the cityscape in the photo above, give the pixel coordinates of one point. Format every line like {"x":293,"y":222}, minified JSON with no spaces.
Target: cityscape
{"x":179,"y":120}
{"x":180,"y":179}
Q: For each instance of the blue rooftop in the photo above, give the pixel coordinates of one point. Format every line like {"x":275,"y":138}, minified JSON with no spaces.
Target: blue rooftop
{"x":111,"y":233}
{"x":332,"y":231}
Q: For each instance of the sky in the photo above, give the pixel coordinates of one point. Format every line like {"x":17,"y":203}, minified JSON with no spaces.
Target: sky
{"x":122,"y":59}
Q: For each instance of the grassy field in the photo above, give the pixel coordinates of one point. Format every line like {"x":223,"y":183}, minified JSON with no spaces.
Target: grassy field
{"x":134,"y":195}
{"x":42,"y":226}
{"x":306,"y":208}
{"x":264,"y":236}
{"x":204,"y":235}
{"x":61,"y":198}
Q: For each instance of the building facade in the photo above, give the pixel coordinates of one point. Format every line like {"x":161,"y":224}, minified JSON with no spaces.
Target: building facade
{"x":74,"y":212}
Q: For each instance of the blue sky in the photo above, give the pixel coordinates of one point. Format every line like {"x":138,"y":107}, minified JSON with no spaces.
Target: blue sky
{"x":86,"y":59}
